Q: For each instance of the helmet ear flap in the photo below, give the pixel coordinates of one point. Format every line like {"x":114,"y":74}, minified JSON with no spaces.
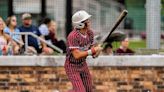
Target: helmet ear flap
{"x":79,"y":25}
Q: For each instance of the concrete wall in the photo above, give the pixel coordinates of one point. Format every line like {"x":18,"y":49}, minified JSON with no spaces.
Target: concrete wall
{"x":109,"y":73}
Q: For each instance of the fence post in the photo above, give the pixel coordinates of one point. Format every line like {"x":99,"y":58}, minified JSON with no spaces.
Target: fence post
{"x":26,"y":42}
{"x":153,"y":23}
{"x":68,"y":16}
{"x":10,"y":7}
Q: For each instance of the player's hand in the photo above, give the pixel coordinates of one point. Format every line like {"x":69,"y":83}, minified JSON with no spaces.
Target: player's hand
{"x":98,"y":50}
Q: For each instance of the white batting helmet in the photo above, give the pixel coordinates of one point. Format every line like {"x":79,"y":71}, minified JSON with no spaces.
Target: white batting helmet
{"x":79,"y":17}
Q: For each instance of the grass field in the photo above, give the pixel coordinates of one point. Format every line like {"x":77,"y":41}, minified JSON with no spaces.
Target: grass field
{"x":138,"y":46}
{"x":134,"y":45}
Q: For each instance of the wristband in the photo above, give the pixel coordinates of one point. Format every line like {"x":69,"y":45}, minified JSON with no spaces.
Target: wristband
{"x":89,"y":52}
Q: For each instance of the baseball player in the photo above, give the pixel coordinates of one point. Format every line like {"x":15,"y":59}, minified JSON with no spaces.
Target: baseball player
{"x":79,"y":46}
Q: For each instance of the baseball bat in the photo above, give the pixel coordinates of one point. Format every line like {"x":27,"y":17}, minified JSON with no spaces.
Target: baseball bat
{"x":118,"y":21}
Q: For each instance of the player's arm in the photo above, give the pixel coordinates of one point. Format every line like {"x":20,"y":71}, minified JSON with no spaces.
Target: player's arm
{"x":73,"y":44}
{"x":78,"y":54}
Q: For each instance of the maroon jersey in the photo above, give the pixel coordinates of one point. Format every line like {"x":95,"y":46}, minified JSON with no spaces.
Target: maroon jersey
{"x":120,"y":51}
{"x":76,"y":69}
{"x":76,"y":40}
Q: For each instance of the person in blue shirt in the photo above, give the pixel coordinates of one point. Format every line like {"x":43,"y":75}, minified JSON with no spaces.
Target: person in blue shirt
{"x":33,"y":42}
{"x":11,"y":27}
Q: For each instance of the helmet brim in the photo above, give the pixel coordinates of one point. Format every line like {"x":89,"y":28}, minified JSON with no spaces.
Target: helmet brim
{"x":83,"y":19}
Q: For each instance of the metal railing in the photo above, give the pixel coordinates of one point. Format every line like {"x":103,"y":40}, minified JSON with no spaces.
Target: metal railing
{"x":26,"y":34}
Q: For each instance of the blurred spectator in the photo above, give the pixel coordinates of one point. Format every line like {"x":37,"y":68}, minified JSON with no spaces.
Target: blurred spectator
{"x":124,"y":50}
{"x":11,"y":26}
{"x":107,"y":49}
{"x":143,"y":35}
{"x":48,"y":30}
{"x":4,"y":39}
{"x":33,"y":42}
{"x":4,"y":25}
{"x":43,"y":28}
{"x":52,"y":36}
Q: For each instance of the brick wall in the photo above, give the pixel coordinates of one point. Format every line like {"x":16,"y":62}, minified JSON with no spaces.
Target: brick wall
{"x":105,"y":79}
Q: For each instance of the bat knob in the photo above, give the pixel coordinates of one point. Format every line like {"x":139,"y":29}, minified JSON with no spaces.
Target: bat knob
{"x":125,"y":11}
